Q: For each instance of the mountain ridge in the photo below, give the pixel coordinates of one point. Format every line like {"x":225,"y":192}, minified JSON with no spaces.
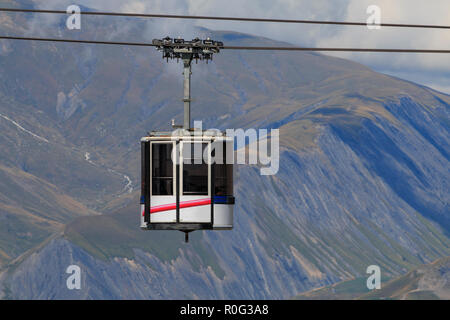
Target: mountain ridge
{"x":426,"y":282}
{"x":363,"y":172}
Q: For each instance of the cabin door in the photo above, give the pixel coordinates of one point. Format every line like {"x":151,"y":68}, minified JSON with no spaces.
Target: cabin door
{"x":163,"y":183}
{"x":195,"y":182}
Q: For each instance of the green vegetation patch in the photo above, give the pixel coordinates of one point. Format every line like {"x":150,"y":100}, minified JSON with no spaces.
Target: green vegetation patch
{"x":18,"y":235}
{"x":118,"y":234}
{"x":422,"y":295}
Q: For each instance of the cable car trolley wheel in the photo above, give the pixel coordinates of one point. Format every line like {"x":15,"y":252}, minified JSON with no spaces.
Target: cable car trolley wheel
{"x":187,"y":181}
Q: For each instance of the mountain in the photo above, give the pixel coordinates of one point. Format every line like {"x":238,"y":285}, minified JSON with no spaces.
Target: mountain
{"x":427,"y":282}
{"x":363,"y":176}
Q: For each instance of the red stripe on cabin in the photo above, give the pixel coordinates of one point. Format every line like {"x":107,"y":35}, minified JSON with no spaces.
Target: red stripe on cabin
{"x":164,"y":207}
{"x":184,"y":204}
{"x":195,"y":203}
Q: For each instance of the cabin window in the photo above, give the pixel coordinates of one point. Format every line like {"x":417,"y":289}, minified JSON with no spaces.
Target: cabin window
{"x":195,"y":169}
{"x":162,"y":169}
{"x":223,"y":175}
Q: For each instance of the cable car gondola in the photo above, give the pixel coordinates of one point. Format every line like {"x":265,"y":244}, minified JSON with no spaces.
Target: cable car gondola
{"x":188,"y":184}
{"x":187,"y":174}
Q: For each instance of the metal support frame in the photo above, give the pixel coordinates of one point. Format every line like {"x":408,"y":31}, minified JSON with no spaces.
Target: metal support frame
{"x":187,"y":51}
{"x":187,"y":92}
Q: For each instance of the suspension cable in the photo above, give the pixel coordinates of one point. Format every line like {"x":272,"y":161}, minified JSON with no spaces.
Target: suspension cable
{"x":192,"y":17}
{"x":144,"y":44}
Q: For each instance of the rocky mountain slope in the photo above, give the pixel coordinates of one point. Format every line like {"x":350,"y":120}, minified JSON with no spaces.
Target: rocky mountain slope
{"x":363,"y":173}
{"x":427,"y":282}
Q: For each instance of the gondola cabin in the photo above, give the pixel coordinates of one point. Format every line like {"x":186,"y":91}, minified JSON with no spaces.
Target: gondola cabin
{"x":187,"y":181}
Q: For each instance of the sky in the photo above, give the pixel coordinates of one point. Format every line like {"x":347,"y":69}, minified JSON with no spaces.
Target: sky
{"x":432,"y":70}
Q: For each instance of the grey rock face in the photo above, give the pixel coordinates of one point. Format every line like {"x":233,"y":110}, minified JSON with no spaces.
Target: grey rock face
{"x":325,"y":217}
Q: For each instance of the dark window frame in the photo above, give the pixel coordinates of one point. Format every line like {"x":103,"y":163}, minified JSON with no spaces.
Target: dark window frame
{"x":165,"y":174}
{"x":195,"y":167}
{"x":223,"y":175}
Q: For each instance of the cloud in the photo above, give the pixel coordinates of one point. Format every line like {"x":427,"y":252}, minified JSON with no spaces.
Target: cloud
{"x":431,"y":66}
{"x":399,"y":11}
{"x":434,"y":67}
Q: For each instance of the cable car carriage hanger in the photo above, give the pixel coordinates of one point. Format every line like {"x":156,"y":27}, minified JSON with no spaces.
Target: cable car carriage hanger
{"x":182,"y":189}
